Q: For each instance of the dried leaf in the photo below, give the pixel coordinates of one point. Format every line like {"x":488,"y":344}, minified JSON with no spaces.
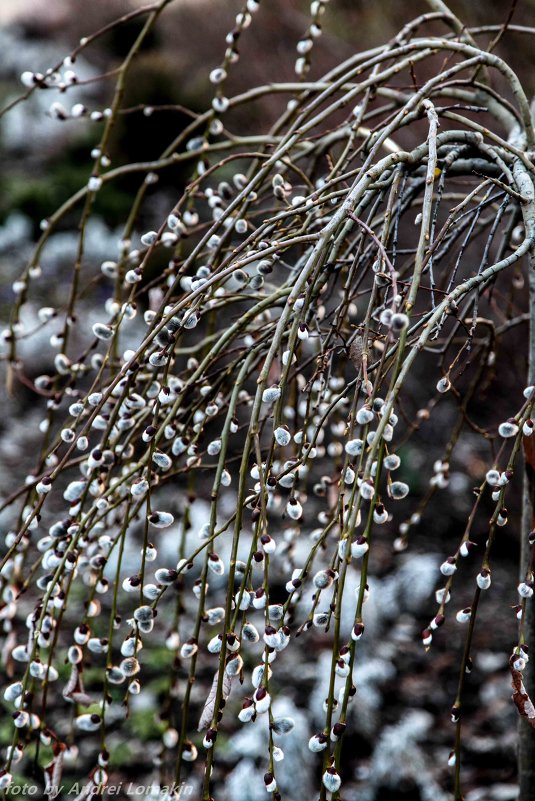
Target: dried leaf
{"x":356,"y":351}
{"x":83,"y":699}
{"x":521,"y":699}
{"x":87,"y":790}
{"x":53,"y":771}
{"x":74,"y":689}
{"x":209,"y":706}
{"x":73,"y":685}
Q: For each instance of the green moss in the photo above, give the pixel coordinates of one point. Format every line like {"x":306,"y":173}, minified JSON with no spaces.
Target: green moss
{"x":63,"y":176}
{"x":144,"y":725}
{"x":121,"y":755}
{"x":6,"y":731}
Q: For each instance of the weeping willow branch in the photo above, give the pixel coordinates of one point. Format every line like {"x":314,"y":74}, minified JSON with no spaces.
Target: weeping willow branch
{"x":269,"y":351}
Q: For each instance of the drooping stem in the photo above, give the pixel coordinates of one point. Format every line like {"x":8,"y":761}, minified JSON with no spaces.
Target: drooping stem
{"x":526,"y":733}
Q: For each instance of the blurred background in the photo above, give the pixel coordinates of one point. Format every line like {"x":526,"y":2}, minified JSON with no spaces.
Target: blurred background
{"x":391,"y":752}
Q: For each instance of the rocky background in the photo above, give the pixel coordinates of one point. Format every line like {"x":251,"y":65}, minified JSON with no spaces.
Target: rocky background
{"x":400,"y":736}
